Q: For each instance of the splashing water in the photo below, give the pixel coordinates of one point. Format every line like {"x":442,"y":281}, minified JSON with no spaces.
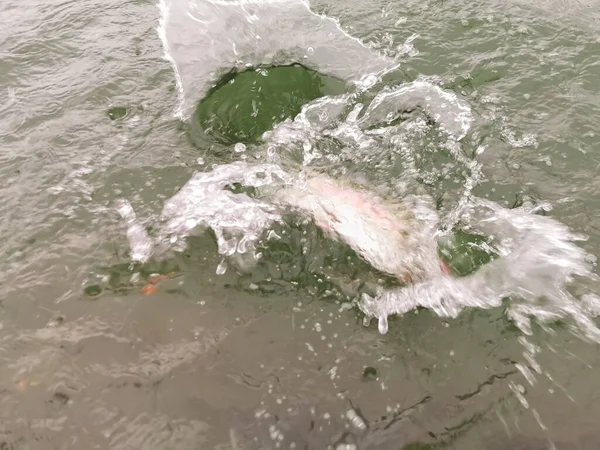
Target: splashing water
{"x":381,"y":131}
{"x":258,"y":33}
{"x":236,"y":219}
{"x":451,"y":113}
{"x":354,"y":216}
{"x":538,"y":261}
{"x":538,"y":257}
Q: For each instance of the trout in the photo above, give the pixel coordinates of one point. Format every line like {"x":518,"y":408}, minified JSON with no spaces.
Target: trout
{"x":387,"y":233}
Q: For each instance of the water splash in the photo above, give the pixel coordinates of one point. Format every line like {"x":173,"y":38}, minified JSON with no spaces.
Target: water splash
{"x":452,"y":114}
{"x":362,"y":220}
{"x":139,"y":241}
{"x":538,"y":256}
{"x":387,"y":125}
{"x":538,"y":260}
{"x":236,"y":219}
{"x":204,"y":39}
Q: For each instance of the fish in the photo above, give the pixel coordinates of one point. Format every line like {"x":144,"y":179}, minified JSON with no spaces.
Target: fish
{"x":394,"y":235}
{"x":388,"y":233}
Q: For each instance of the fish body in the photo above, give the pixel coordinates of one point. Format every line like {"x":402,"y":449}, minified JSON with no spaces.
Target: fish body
{"x":387,"y":233}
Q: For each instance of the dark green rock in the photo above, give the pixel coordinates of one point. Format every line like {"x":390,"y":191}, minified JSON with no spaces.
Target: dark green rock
{"x":93,"y":290}
{"x":465,"y":253}
{"x":117,"y":112}
{"x":243,"y":105}
{"x":370,"y":373}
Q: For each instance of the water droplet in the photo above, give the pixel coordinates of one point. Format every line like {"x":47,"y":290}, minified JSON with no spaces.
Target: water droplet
{"x":383,"y":324}
{"x":222,"y":267}
{"x":355,"y":419}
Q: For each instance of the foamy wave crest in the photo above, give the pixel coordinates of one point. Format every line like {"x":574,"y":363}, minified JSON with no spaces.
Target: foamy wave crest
{"x":203,"y":39}
{"x":538,"y":260}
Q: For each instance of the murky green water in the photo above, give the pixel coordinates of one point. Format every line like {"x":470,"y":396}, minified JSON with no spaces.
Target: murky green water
{"x":270,"y":358}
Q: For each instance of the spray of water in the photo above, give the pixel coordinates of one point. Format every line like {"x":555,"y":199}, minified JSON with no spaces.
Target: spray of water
{"x":237,"y":220}
{"x":394,"y":230}
{"x":538,"y":255}
{"x":539,"y":260}
{"x":259,"y":32}
{"x":359,"y":218}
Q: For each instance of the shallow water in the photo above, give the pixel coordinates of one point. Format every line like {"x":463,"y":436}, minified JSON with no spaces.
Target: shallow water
{"x":273,"y":353}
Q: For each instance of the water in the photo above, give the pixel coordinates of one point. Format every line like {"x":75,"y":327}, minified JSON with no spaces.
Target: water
{"x":164,"y":289}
